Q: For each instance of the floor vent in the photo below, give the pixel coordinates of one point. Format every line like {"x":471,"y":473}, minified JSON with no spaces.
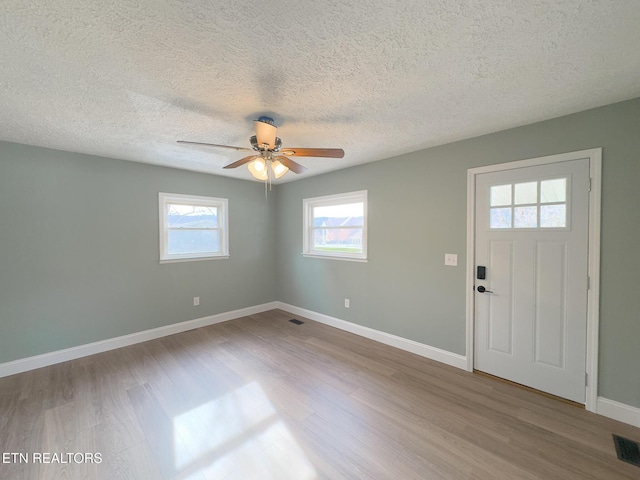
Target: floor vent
{"x":627,"y":450}
{"x":297,"y":322}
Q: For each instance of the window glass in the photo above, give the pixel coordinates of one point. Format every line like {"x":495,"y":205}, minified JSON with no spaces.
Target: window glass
{"x":345,"y":240}
{"x":340,"y":211}
{"x":192,"y":227}
{"x":193,"y":241}
{"x":336,"y":226}
{"x":192,"y":216}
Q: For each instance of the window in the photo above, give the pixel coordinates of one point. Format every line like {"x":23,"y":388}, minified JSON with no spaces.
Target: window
{"x":335,"y":226}
{"x":538,"y":204}
{"x":192,"y":227}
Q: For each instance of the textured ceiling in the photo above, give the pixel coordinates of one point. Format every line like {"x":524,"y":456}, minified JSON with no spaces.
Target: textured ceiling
{"x":127,"y":78}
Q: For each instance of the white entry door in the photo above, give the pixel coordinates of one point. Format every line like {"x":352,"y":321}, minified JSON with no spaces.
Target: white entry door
{"x":531,"y":307}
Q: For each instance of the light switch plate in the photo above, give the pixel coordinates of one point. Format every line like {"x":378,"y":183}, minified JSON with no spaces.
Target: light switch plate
{"x":451,"y":259}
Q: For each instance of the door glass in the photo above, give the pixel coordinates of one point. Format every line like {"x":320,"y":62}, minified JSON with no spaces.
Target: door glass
{"x":500,"y":218}
{"x":519,"y":205}
{"x":552,"y":191}
{"x":553,"y":216}
{"x":526,"y":193}
{"x":525,"y":217}
{"x":500,"y":195}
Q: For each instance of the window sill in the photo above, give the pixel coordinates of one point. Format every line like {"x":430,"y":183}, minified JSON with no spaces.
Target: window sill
{"x":196,"y":259}
{"x":331,"y":257}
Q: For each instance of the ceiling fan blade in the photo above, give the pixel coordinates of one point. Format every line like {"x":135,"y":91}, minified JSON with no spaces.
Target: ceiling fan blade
{"x":214,"y":145}
{"x":242,"y":161}
{"x":313,"y":152}
{"x":295,"y":167}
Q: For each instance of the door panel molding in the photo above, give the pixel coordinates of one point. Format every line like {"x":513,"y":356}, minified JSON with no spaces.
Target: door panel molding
{"x":593,"y":308}
{"x":544,"y":287}
{"x":502,"y":304}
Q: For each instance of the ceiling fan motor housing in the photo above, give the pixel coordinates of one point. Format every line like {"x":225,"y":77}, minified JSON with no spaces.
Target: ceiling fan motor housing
{"x":265,"y":119}
{"x":260,"y":148}
{"x":265,"y":133}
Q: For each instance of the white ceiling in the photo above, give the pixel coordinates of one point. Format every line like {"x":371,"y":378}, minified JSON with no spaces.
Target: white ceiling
{"x":127,"y":78}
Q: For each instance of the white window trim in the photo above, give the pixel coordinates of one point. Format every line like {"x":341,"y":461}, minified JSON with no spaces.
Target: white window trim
{"x":307,"y":221}
{"x":222,"y":204}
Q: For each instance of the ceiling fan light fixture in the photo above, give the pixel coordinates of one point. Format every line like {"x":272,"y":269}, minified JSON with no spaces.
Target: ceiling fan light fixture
{"x":278,"y":168}
{"x":265,"y":132}
{"x":269,"y":160}
{"x":258,"y":168}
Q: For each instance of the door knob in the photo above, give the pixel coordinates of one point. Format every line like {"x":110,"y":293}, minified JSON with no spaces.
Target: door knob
{"x":481,"y":289}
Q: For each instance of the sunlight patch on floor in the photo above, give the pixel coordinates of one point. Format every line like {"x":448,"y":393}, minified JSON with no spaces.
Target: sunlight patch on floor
{"x":239,"y":435}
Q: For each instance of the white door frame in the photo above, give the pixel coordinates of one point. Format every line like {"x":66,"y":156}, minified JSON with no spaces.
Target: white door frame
{"x":593,"y":295}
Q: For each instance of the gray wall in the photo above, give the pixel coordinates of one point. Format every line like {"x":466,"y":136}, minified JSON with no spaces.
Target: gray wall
{"x":79,"y":250}
{"x":79,"y":244}
{"x":417,"y":212}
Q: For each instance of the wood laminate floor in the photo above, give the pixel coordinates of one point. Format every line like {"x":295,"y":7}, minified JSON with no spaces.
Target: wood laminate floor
{"x":262,"y":398}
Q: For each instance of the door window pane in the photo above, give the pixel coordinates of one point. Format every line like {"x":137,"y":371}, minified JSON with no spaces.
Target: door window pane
{"x":525,"y":217}
{"x":500,"y":218}
{"x":538,"y":204}
{"x":553,"y":216}
{"x":552,"y":191}
{"x":526,"y":193}
{"x":500,"y":195}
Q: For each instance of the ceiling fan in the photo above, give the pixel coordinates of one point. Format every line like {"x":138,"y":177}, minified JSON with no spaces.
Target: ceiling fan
{"x":271,"y":158}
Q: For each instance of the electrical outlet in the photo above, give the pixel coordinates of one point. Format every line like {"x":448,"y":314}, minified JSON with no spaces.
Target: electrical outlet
{"x":451,"y":259}
{"x":346,"y":303}
{"x":196,"y":301}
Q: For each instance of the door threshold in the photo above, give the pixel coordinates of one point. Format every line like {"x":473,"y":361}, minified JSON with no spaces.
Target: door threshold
{"x":530,"y":389}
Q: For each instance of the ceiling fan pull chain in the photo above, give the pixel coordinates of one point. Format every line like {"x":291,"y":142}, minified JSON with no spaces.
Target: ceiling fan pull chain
{"x":266,"y":194}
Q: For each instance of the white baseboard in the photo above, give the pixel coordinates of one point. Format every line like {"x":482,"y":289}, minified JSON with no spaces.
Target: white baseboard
{"x":605,"y":407}
{"x":433,"y":353}
{"x":608,"y":408}
{"x":618,"y":411}
{"x":51,"y":358}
